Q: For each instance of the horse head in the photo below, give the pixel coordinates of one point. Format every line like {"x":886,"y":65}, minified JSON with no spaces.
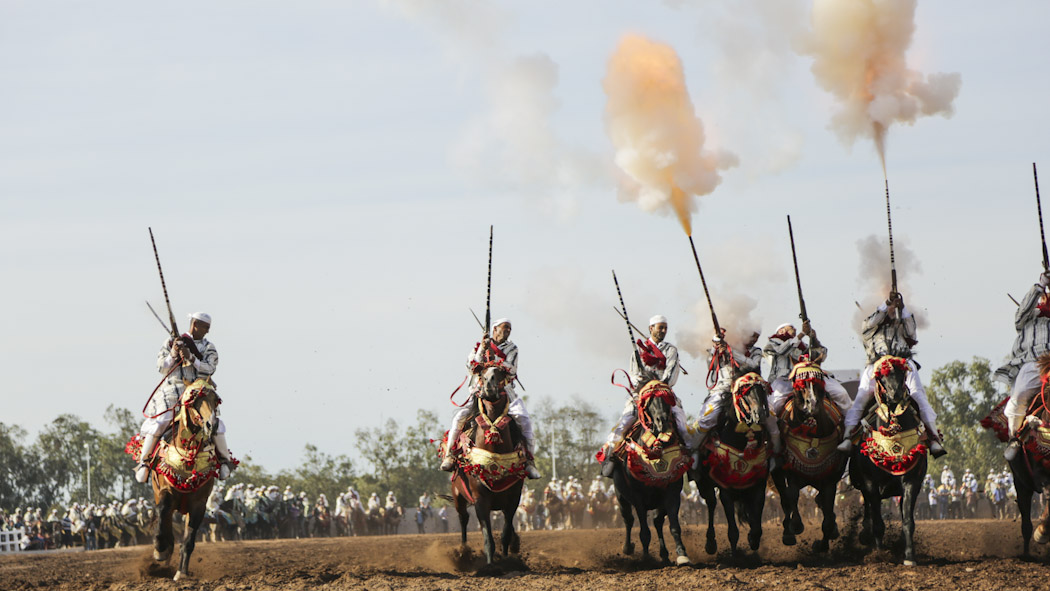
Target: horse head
{"x":492,"y":382}
{"x":890,"y":374}
{"x":654,"y":408}
{"x":750,"y":395}
{"x":807,"y":381}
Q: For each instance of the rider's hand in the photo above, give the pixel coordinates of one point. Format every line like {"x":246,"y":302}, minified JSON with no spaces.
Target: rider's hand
{"x":1044,"y":278}
{"x":807,"y":328}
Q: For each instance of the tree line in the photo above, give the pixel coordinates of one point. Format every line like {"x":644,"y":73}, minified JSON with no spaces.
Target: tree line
{"x":52,"y":470}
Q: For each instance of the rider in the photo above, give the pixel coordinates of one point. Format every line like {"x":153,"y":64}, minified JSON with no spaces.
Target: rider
{"x":504,"y":353}
{"x":373,"y":503}
{"x":1021,"y":372}
{"x":947,"y":477}
{"x":785,"y":349}
{"x":712,"y":408}
{"x":161,"y":408}
{"x":659,"y":360}
{"x":391,"y":500}
{"x":890,"y":330}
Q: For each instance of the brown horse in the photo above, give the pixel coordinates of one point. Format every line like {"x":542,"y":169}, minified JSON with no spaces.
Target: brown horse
{"x":812,"y":427}
{"x":183,"y":471}
{"x":490,"y":469}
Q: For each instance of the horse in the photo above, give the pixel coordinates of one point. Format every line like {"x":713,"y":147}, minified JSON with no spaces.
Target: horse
{"x":1031,"y":466}
{"x":555,"y":508}
{"x":736,"y":458}
{"x":183,"y":471}
{"x":600,"y":508}
{"x":811,"y":427}
{"x":891,"y":461}
{"x":576,"y":506}
{"x":648,"y":469}
{"x":490,"y":471}
{"x":392,"y":516}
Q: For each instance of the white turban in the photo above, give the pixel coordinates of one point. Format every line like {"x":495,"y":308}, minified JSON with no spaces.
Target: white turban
{"x":201,"y":316}
{"x":657,"y":320}
{"x":500,"y":321}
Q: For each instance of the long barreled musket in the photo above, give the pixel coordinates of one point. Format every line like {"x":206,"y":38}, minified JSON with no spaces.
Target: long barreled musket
{"x":630,"y":335}
{"x":488,"y":290}
{"x":798,"y":281}
{"x":1039,"y":209}
{"x":716,"y":362}
{"x":185,"y":339}
{"x":889,"y":225}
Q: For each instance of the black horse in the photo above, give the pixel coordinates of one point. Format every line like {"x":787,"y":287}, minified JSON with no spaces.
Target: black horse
{"x":648,"y":473}
{"x":891,"y":460}
{"x":736,"y":462}
{"x":811,"y":426}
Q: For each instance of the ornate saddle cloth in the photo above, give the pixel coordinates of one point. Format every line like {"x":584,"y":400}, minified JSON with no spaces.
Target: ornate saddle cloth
{"x":808,"y":455}
{"x":496,"y":471}
{"x":1035,"y":441}
{"x":189,"y":459}
{"x":651,"y":463}
{"x":894,"y":452}
{"x":734,"y":468}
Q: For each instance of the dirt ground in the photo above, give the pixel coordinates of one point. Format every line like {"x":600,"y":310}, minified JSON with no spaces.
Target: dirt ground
{"x":978,"y":554}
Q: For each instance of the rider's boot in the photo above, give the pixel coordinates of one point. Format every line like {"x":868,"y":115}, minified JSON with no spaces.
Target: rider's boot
{"x":608,"y":464}
{"x":142,"y":468}
{"x":448,"y":463}
{"x":225,"y":466}
{"x":531,"y":471}
{"x":1014,"y":424}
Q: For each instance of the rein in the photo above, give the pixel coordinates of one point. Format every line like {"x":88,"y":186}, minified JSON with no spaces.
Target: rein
{"x":715,"y":366}
{"x":154,"y":393}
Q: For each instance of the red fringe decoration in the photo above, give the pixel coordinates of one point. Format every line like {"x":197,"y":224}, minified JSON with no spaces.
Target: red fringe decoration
{"x":893,"y":464}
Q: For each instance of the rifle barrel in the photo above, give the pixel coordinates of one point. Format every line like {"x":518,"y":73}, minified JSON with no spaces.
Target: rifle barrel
{"x":889,"y":225}
{"x":707,"y":294}
{"x":164,"y":286}
{"x":630,"y":335}
{"x":488,"y":290}
{"x":1039,"y":208}
{"x":798,"y":281}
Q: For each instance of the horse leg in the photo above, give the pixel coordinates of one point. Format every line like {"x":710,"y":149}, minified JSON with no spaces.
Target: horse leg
{"x":829,"y":527}
{"x":789,"y":503}
{"x":1042,"y":532}
{"x":757,"y":504}
{"x":711,"y":546}
{"x":911,"y":492}
{"x":878,"y":526}
{"x":189,"y":539}
{"x":729,"y":507}
{"x":865,"y":536}
{"x":644,"y":535}
{"x":481,"y":510}
{"x":464,"y":519}
{"x":673,"y":507}
{"x":658,"y":524}
{"x":508,"y":536}
{"x":1024,"y":505}
{"x":626,"y":512}
{"x":164,"y":541}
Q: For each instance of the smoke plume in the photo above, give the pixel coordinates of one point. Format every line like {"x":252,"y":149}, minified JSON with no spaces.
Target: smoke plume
{"x":658,"y":138}
{"x":735,"y":314}
{"x":858,"y":49}
{"x":874,"y":278}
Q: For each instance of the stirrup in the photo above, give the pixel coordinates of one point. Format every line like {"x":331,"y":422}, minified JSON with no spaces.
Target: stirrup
{"x":845,"y":446}
{"x":142,"y":472}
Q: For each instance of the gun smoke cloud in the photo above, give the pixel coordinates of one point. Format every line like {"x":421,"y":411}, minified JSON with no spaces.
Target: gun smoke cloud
{"x":874,"y":278}
{"x":736,"y":314}
{"x":658,"y":138}
{"x":858,"y":49}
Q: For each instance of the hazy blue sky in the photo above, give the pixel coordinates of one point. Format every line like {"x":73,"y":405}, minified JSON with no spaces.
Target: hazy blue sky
{"x":321,"y":176}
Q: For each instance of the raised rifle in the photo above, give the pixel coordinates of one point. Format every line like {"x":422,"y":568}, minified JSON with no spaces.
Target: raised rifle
{"x":725,"y":355}
{"x":186,"y":340}
{"x":488,"y":290}
{"x":798,"y":282}
{"x":1039,"y":209}
{"x":630,"y":335}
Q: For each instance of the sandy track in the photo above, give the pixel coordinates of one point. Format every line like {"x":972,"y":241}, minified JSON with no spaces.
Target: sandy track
{"x":953,"y":555}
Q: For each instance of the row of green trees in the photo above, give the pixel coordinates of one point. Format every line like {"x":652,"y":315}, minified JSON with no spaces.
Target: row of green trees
{"x":402,"y":458}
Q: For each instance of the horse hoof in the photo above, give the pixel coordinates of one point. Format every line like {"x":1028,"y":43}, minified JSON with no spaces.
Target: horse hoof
{"x":788,"y":539}
{"x":1039,"y":535}
{"x":628,"y":549}
{"x":681,"y":560}
{"x":798,"y":527}
{"x":909,"y":563}
{"x":178,"y":575}
{"x":711,"y":547}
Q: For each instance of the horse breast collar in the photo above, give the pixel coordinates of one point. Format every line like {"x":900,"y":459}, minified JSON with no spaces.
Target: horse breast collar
{"x":492,"y":427}
{"x":884,"y":367}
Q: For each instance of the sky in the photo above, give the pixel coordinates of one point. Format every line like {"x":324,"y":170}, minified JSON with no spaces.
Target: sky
{"x":321,"y":177}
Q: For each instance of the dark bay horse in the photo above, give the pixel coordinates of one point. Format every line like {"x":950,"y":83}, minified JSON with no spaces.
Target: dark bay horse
{"x":811,"y":426}
{"x":490,"y":470}
{"x":736,"y":462}
{"x":183,"y":471}
{"x":648,"y":471}
{"x":1031,"y":467}
{"x":891,"y":459}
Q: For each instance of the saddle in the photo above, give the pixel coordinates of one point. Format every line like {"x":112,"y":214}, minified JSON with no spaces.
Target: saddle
{"x":187,"y":458}
{"x":729,"y":466}
{"x":891,"y":448}
{"x":808,"y":455}
{"x":654,"y":459}
{"x":1035,"y":441}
